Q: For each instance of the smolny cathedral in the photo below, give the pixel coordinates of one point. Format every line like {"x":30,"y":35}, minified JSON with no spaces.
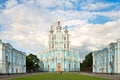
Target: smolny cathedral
{"x":58,"y":56}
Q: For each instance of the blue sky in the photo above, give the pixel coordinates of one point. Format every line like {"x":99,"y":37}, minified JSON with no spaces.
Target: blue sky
{"x":92,"y":24}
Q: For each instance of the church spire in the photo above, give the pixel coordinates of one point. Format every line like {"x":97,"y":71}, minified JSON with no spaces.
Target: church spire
{"x":51,"y":31}
{"x":66,"y":31}
{"x":58,"y":27}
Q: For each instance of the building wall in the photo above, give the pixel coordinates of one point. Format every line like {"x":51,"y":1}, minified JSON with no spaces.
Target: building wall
{"x":107,"y":60}
{"x":11,"y":60}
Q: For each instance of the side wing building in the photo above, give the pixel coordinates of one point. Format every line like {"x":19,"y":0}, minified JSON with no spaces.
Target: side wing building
{"x":107,"y":60}
{"x":11,"y":60}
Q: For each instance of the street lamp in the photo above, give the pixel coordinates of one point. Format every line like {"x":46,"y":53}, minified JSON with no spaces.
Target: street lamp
{"x":24,"y":68}
{"x":8,"y":67}
{"x":110,"y":63}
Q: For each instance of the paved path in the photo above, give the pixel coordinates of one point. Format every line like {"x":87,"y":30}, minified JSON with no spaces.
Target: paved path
{"x":113,"y":77}
{"x":6,"y":77}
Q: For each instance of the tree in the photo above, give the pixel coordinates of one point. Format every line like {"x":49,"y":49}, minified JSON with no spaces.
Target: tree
{"x":32,"y":63}
{"x":87,"y":63}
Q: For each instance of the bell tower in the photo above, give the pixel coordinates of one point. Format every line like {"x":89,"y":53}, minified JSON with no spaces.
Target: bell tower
{"x":66,"y":39}
{"x":51,"y":38}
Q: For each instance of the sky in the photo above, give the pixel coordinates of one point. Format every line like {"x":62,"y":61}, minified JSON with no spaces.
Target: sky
{"x":92,"y":24}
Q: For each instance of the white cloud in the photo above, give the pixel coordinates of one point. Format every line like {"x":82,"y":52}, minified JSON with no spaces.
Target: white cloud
{"x":114,"y":14}
{"x":11,"y":3}
{"x":74,"y":22}
{"x":27,"y":25}
{"x":96,"y":6}
{"x":95,"y":35}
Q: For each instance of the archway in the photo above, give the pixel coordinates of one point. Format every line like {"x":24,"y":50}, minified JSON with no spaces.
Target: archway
{"x":59,"y":67}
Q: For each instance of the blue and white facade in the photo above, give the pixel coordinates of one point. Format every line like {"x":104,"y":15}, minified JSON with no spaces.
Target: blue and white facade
{"x":59,"y":57}
{"x":107,"y":60}
{"x":11,"y":60}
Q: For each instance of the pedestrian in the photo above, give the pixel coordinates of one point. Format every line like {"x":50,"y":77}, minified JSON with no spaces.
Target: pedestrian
{"x":61,"y":72}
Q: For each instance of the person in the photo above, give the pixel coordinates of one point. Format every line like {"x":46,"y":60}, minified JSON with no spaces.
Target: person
{"x":61,"y":72}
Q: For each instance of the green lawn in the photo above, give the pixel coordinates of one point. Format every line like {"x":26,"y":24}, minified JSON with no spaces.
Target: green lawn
{"x":58,"y":76}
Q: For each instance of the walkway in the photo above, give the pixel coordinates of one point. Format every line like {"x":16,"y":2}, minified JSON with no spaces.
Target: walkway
{"x":6,"y":77}
{"x":113,"y":77}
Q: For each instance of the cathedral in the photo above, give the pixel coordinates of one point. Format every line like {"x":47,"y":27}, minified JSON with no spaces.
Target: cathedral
{"x":58,"y":56}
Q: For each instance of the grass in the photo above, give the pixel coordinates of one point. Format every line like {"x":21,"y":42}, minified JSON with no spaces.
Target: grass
{"x":58,"y":76}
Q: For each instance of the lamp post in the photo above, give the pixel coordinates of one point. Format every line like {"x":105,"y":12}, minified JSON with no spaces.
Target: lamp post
{"x":8,"y":64}
{"x":24,"y":68}
{"x":110,"y":63}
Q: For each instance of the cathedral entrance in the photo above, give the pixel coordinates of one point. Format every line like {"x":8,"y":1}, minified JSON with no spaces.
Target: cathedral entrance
{"x":59,"y":67}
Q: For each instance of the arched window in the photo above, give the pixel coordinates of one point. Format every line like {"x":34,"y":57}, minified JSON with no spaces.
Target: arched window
{"x":52,"y":38}
{"x":64,"y":45}
{"x":64,"y":38}
{"x":52,"y":45}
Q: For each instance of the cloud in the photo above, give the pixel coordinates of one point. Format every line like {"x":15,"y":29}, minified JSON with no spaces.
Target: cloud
{"x":91,"y":37}
{"x":113,"y":14}
{"x":96,"y":6}
{"x":26,"y":25}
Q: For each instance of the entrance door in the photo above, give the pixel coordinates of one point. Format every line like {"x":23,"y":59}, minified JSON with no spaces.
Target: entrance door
{"x":59,"y":67}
